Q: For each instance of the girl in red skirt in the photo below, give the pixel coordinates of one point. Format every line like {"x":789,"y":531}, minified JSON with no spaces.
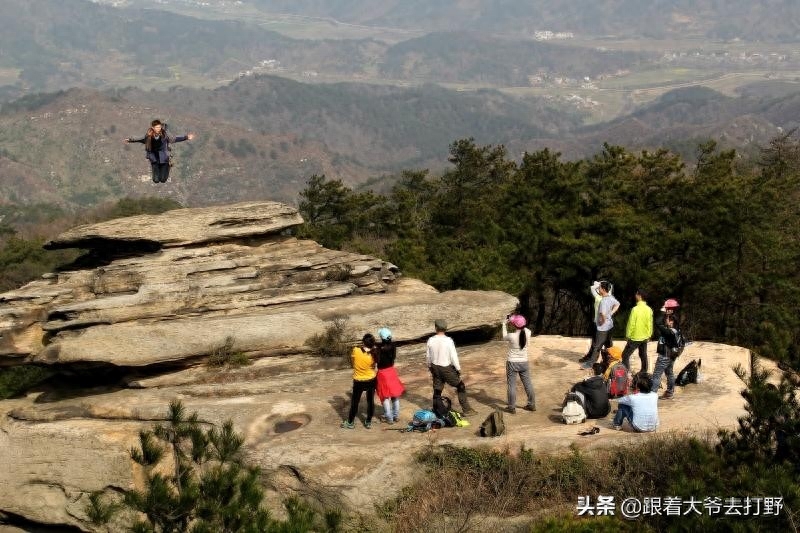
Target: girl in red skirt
{"x":389,"y":385}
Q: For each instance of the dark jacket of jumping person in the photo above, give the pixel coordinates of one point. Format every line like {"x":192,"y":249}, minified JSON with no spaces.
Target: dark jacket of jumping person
{"x":156,"y":146}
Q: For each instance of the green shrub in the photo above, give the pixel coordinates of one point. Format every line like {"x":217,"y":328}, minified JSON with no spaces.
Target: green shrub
{"x":339,"y":273}
{"x":225,"y":355}
{"x":19,"y":379}
{"x":336,"y":341}
{"x":207,"y":487}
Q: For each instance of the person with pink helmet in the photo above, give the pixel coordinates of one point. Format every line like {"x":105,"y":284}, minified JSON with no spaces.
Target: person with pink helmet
{"x":670,"y":305}
{"x":517,"y":362}
{"x":669,"y":330}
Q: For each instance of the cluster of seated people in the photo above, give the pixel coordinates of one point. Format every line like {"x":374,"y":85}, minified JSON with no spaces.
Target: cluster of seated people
{"x":637,"y":401}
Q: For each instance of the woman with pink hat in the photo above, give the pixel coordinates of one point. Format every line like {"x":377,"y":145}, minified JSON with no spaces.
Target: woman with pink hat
{"x":517,"y":363}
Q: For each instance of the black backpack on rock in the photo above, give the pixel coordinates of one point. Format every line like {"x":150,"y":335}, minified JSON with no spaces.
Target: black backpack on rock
{"x":442,"y":405}
{"x":689,"y":373}
{"x":595,"y":396}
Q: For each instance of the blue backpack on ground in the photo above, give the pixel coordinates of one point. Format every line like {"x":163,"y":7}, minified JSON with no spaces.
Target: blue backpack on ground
{"x":425,"y":420}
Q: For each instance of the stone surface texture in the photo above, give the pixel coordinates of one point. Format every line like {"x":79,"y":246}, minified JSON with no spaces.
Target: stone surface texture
{"x":158,"y":294}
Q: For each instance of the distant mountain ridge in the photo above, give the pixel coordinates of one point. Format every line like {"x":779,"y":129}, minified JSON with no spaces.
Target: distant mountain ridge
{"x":743,"y":19}
{"x":264,"y":136}
{"x":261,"y":137}
{"x":53,"y":44}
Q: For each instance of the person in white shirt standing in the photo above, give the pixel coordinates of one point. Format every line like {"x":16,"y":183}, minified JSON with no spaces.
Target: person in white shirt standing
{"x":517,"y":362}
{"x":444,"y":366}
{"x":605,"y":323}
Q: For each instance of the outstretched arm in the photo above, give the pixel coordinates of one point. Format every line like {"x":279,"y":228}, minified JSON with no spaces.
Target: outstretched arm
{"x":132,"y":140}
{"x":181,"y":138}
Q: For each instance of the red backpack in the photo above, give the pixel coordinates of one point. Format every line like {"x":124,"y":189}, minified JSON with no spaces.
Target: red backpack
{"x":618,"y":381}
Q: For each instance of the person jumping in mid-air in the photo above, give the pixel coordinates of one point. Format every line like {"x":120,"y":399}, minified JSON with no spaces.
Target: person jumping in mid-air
{"x":156,"y":145}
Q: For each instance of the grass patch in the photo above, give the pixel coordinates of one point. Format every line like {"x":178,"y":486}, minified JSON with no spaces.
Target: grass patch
{"x":468,"y":485}
{"x":17,"y":380}
{"x":339,"y":273}
{"x":225,"y":355}
{"x":336,"y":341}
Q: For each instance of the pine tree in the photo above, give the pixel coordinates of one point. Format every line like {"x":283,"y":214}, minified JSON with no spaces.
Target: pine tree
{"x":208,"y":487}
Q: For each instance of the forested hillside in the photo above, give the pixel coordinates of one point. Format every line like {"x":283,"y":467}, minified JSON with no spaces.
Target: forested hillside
{"x":52,"y":44}
{"x":73,"y":153}
{"x":383,"y":127}
{"x":776,"y":20}
{"x":259,"y":137}
{"x":263,"y":136}
{"x":721,"y":237}
{"x":56,"y":44}
{"x":475,"y":58}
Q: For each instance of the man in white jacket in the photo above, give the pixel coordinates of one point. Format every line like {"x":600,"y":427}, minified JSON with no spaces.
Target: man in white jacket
{"x":444,"y":366}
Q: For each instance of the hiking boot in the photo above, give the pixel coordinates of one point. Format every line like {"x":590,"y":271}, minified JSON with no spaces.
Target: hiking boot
{"x":668,"y":395}
{"x":368,"y":424}
{"x":396,"y":419}
{"x":583,"y":359}
{"x":347,"y":425}
{"x":530,"y":407}
{"x":510,"y":410}
{"x":469,"y":412}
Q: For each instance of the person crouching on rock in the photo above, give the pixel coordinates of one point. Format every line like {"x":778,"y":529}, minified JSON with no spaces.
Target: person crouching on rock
{"x":363,"y":381}
{"x":389,"y":385}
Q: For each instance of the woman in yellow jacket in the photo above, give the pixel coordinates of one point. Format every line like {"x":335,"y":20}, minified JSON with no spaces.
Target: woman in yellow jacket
{"x":364,"y":380}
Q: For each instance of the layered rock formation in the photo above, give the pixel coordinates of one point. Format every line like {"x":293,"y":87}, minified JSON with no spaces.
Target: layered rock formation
{"x":129,"y":327}
{"x":153,"y":297}
{"x":172,"y":288}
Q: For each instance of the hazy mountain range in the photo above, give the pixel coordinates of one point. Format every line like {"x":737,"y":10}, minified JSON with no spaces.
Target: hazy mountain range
{"x":270,"y":110}
{"x":774,"y":20}
{"x":264,"y":136}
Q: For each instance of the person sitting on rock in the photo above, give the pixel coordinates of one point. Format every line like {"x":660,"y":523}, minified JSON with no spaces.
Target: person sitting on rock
{"x":389,"y":385}
{"x":608,"y":358}
{"x":363,"y":381}
{"x":442,"y":360}
{"x":595,"y":396}
{"x":640,"y":408}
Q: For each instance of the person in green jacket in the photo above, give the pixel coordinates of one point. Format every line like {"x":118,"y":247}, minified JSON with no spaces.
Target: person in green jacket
{"x":638,"y":331}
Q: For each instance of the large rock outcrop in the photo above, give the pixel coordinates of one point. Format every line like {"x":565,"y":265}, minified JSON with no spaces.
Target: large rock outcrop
{"x":174,"y":287}
{"x":128,"y":327}
{"x":155,"y":294}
